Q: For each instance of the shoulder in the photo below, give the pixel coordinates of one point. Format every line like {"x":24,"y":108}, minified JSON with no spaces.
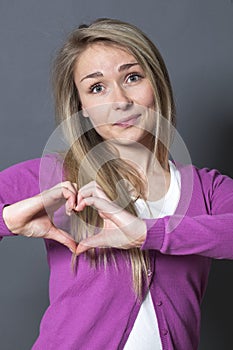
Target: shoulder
{"x":29,"y":176}
{"x":208,"y":177}
{"x":221,"y":190}
{"x":213,"y":179}
{"x":21,"y":172}
{"x":32,"y":167}
{"x":215,"y":187}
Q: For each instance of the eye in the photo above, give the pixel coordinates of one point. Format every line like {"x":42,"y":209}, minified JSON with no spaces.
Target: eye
{"x":134,"y":77}
{"x":96,"y":88}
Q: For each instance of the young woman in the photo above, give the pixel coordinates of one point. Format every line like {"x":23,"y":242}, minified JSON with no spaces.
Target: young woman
{"x":141,"y":229}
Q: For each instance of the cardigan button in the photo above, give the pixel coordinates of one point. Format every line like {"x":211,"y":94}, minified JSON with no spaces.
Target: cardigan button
{"x":149,"y":272}
{"x":159,"y":303}
{"x":165,"y":332}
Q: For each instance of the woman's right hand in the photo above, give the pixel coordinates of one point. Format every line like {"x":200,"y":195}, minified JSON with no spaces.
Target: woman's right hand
{"x":32,"y":217}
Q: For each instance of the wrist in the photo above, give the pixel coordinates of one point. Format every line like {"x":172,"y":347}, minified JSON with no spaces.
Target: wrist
{"x":143,"y":234}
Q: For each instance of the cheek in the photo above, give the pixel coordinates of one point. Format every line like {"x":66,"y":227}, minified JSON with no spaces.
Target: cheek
{"x":146,"y":98}
{"x":99,"y":114}
{"x":103,"y":131}
{"x":150,"y":99}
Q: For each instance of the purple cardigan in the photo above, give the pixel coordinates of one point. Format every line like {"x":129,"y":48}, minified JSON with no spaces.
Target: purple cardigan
{"x":96,"y":308}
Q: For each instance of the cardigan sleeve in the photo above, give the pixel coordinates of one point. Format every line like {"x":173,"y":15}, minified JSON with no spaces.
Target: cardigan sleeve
{"x":25,"y":180}
{"x":209,"y":235}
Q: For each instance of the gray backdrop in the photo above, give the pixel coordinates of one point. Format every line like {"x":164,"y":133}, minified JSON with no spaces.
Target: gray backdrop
{"x":195,"y":38}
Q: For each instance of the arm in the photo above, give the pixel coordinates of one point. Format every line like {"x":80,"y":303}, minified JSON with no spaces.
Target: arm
{"x":208,"y":235}
{"x":17,"y":183}
{"x":25,"y":180}
{"x":27,"y":211}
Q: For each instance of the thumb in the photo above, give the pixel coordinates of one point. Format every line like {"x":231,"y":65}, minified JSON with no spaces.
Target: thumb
{"x":62,"y":237}
{"x":91,"y":242}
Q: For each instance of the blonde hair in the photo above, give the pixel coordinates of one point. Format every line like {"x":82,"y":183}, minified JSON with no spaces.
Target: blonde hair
{"x":83,"y":161}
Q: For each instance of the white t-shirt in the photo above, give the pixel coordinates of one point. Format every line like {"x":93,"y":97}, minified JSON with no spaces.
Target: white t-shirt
{"x":145,"y":333}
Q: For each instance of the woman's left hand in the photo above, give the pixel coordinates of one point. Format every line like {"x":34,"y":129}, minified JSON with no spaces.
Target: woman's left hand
{"x":120,"y":230}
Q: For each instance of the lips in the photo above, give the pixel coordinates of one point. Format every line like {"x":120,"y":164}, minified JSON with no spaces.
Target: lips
{"x":128,"y":121}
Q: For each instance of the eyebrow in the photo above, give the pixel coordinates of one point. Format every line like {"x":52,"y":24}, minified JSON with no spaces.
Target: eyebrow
{"x":127,"y":66}
{"x":120,"y":69}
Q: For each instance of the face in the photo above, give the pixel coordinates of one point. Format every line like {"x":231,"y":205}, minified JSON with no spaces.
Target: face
{"x":115,"y":94}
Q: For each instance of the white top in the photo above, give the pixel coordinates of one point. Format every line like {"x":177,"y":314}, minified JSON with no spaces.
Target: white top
{"x":145,"y":332}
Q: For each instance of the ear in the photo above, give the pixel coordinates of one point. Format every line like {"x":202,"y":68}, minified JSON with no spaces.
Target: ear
{"x":84,"y":112}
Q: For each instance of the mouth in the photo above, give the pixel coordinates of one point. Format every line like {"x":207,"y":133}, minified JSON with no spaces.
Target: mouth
{"x":128,"y":121}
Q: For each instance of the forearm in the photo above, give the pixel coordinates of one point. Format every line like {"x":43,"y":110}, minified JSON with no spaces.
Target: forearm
{"x":206,"y":235}
{"x":4,"y":230}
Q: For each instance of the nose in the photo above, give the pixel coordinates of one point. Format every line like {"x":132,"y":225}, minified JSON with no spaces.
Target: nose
{"x":120,"y":98}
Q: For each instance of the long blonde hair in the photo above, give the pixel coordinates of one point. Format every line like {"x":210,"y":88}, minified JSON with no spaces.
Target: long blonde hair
{"x":84,"y":160}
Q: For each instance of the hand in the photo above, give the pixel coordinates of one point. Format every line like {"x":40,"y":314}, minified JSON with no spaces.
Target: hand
{"x":121,"y":229}
{"x":32,"y":217}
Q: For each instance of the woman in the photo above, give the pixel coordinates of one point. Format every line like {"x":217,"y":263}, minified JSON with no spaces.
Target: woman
{"x":146,"y":227}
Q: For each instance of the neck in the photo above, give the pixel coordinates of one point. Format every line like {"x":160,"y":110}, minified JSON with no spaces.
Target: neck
{"x":143,"y":159}
{"x":140,"y":156}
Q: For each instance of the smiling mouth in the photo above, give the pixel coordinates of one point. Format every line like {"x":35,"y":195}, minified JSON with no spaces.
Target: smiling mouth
{"x":125,"y":122}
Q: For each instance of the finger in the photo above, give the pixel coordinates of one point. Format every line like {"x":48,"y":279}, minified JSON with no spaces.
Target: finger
{"x":54,"y":197}
{"x":62,"y":237}
{"x":87,"y":190}
{"x":70,"y":205}
{"x":105,"y":207}
{"x":70,"y":194}
{"x":79,"y":198}
{"x":71,"y":186}
{"x":92,"y":189}
{"x":90,"y":201}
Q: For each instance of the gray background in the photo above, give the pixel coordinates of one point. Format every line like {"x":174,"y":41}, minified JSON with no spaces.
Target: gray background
{"x":195,"y":39}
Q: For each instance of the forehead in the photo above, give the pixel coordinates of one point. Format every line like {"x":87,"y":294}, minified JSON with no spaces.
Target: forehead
{"x":102,"y":56}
